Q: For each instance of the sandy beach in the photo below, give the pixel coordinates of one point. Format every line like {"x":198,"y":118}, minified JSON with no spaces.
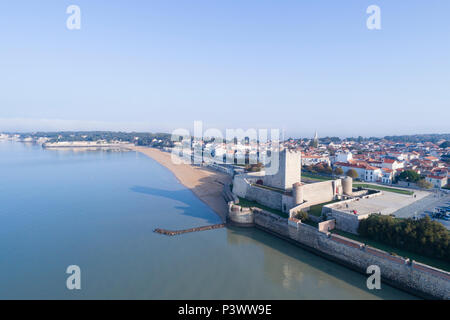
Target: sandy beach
{"x":206,"y":184}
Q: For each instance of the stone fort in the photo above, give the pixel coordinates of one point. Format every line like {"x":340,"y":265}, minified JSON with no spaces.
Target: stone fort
{"x":284,"y":190}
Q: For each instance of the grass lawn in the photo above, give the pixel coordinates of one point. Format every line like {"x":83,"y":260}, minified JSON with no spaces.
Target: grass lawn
{"x":316,"y":177}
{"x":317,"y":209}
{"x":376,"y":187}
{"x":311,"y":223}
{"x":440,"y":264}
{"x":248,"y":204}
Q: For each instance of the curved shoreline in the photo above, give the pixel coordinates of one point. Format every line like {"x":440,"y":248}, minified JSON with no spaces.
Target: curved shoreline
{"x":207,"y":185}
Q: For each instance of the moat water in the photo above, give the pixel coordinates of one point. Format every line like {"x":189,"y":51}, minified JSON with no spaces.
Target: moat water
{"x":98,"y":210}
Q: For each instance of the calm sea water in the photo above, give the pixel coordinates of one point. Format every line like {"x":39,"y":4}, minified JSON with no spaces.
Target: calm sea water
{"x":98,"y":209}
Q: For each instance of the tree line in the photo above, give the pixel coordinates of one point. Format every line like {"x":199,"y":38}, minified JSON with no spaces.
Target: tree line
{"x":426,"y":237}
{"x":419,"y":138}
{"x":139,"y":138}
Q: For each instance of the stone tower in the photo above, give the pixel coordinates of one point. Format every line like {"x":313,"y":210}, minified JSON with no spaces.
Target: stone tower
{"x":289,"y":170}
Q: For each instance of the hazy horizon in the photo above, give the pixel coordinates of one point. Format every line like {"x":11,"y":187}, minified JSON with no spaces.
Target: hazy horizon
{"x":190,"y":129}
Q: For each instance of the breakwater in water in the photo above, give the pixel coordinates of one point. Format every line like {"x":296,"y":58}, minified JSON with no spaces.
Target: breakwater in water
{"x":197,"y":229}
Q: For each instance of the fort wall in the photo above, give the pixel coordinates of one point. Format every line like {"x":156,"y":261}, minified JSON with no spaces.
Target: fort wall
{"x":416,"y":278}
{"x":346,"y":221}
{"x":319,"y":192}
{"x":266,"y":197}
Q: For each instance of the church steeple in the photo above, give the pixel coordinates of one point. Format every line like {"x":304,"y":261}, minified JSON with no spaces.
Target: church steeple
{"x":315,"y":142}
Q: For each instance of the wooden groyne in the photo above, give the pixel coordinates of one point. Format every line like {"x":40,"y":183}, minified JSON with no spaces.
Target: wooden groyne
{"x":177,"y":232}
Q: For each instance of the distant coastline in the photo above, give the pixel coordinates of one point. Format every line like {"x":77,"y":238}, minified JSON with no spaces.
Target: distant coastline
{"x":206,"y":184}
{"x":86,"y":144}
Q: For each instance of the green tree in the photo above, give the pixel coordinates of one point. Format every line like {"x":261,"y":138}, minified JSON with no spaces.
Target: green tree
{"x":424,"y":236}
{"x":338,"y":171}
{"x":331,"y":150}
{"x":319,"y":167}
{"x":424,"y":184}
{"x":409,"y":175}
{"x":322,"y":167}
{"x":446,"y":158}
{"x":352,"y":173}
{"x":444,"y":145}
{"x":254,"y":167}
{"x":302,"y":215}
{"x":314,"y":143}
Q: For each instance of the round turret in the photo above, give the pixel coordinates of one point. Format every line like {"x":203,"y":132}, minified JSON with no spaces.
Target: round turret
{"x":235,"y":208}
{"x":297,"y":193}
{"x":347,"y":185}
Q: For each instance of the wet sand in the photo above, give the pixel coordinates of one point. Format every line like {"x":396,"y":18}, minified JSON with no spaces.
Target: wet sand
{"x":206,"y":184}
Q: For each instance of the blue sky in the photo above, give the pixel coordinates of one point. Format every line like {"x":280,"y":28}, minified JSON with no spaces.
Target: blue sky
{"x":296,"y":65}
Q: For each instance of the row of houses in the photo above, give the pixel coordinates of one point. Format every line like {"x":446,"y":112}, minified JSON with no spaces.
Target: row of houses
{"x":374,"y":161}
{"x":384,"y":167}
{"x":368,"y":172}
{"x":385,"y":171}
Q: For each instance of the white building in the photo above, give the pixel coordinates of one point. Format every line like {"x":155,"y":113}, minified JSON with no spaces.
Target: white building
{"x":398,"y":155}
{"x":312,"y":159}
{"x":372,"y":174}
{"x":387,"y":176}
{"x":365,"y":172}
{"x":343,"y":157}
{"x":392,"y":164}
{"x":437,"y":181}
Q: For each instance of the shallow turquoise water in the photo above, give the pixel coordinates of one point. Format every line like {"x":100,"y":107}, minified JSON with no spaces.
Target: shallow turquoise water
{"x":98,"y":209}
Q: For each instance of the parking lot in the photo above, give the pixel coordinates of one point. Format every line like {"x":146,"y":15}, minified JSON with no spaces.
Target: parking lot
{"x":426,"y":205}
{"x":386,"y":203}
{"x":419,"y":204}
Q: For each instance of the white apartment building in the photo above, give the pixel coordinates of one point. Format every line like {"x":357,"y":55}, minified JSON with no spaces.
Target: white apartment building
{"x":343,"y":157}
{"x":392,"y":164}
{"x":387,"y":176}
{"x":312,"y":159}
{"x":365,"y":172}
{"x":437,"y":181}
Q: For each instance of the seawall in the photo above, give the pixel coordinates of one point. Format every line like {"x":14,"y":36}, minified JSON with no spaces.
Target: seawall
{"x":413,"y":277}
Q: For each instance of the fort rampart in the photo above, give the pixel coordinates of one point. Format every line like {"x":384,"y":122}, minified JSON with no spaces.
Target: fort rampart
{"x":416,"y":278}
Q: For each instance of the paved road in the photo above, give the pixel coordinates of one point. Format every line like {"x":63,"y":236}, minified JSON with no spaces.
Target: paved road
{"x":427,"y":203}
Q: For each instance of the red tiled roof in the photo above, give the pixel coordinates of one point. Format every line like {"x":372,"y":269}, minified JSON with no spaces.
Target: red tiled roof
{"x":435,"y":177}
{"x":312,"y":156}
{"x":356,"y":165}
